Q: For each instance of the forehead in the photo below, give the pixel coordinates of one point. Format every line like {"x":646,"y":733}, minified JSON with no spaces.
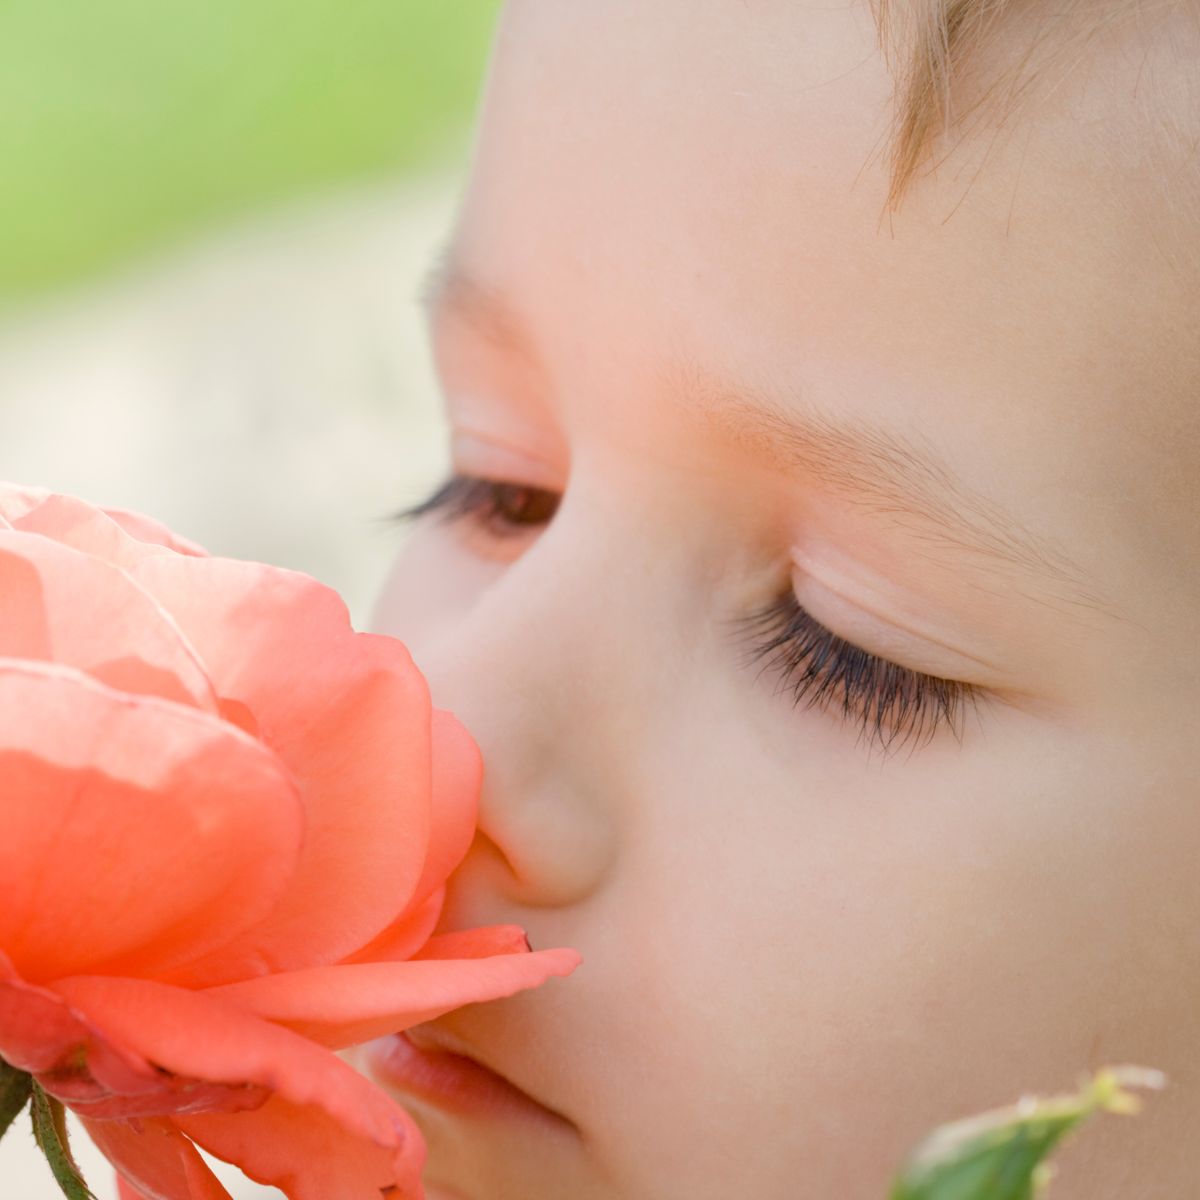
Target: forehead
{"x":707,"y":181}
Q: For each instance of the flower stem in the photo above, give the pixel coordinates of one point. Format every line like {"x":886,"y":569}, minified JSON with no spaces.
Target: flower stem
{"x":50,"y":1131}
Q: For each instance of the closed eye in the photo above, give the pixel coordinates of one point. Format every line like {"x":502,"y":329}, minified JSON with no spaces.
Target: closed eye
{"x":889,"y":703}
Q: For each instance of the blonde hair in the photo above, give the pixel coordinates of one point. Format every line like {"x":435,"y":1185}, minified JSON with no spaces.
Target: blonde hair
{"x":934,"y":47}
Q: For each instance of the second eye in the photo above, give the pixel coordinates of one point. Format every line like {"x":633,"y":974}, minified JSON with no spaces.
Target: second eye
{"x":502,"y":509}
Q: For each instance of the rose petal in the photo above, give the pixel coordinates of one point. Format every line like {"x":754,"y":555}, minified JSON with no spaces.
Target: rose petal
{"x":401,"y":940}
{"x":309,"y":1156}
{"x":154,"y":1160}
{"x":457,"y":773}
{"x":154,"y":533}
{"x":138,"y":832}
{"x":482,"y":942}
{"x":41,"y":1033}
{"x":126,"y":1191}
{"x":86,"y":526}
{"x":457,"y":776}
{"x":98,"y":1078}
{"x":349,"y":713}
{"x":125,"y":639}
{"x":344,"y":1005}
{"x":16,"y":499}
{"x":75,"y":523}
{"x":173,"y":1096}
{"x":200,"y":1036}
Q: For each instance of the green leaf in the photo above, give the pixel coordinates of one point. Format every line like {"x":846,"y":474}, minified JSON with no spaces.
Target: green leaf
{"x":1000,"y":1155}
{"x":15,"y":1089}
{"x":50,"y":1130}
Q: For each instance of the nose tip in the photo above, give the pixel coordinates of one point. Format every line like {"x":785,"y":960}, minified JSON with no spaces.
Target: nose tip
{"x":533,"y":659}
{"x":546,"y":848}
{"x":545,"y":836}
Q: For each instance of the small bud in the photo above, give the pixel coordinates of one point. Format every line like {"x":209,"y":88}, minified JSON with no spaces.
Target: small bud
{"x":999,"y":1155}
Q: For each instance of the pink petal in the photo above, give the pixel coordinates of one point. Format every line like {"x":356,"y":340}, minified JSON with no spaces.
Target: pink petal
{"x":121,"y":636}
{"x":310,"y":1156}
{"x":136,"y":833}
{"x":41,"y":1033}
{"x":402,"y":939}
{"x":350,"y":716}
{"x":126,"y":1191}
{"x":457,"y":776}
{"x":16,"y":499}
{"x":154,"y":533}
{"x":344,"y":1005}
{"x":457,"y":773}
{"x":482,"y":942}
{"x":75,"y":523}
{"x":81,"y":1066}
{"x":86,"y":526}
{"x":173,"y":1095}
{"x":154,"y":1160}
{"x":197,"y":1035}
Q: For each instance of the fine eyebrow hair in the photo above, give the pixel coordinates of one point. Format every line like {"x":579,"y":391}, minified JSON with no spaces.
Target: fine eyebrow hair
{"x":874,"y":468}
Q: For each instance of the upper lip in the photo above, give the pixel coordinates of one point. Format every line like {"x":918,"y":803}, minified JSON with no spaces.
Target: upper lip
{"x":431,"y":1037}
{"x":427,"y":1037}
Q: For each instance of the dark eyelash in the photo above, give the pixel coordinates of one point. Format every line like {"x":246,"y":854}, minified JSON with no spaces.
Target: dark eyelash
{"x":890,"y":703}
{"x":466,"y":496}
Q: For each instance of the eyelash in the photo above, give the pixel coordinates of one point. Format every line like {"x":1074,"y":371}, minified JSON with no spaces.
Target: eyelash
{"x":888,"y":702}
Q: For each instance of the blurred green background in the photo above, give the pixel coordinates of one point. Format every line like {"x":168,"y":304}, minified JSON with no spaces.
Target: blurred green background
{"x":125,"y":124}
{"x":215,"y":216}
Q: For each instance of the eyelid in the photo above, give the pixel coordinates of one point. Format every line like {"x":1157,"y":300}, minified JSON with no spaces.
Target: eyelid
{"x":887,"y":638}
{"x":920,"y":621}
{"x":490,"y":455}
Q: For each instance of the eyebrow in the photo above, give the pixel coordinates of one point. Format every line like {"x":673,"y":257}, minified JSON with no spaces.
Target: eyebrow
{"x":874,"y":468}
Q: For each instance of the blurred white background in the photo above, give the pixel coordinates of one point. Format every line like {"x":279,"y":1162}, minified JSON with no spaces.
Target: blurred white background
{"x":267,"y":392}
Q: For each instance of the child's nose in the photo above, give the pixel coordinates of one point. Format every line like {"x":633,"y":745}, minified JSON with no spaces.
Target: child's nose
{"x":523,"y":669}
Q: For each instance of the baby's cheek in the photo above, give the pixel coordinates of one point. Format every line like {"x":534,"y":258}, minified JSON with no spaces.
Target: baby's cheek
{"x":854,"y":970}
{"x":769,"y":999}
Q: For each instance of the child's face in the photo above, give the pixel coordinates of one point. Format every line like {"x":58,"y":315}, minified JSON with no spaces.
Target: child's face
{"x":801,"y":953}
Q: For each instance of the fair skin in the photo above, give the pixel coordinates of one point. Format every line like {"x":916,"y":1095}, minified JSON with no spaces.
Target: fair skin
{"x":802,"y":952}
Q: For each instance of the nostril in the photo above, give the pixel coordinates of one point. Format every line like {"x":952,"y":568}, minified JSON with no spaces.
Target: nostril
{"x":559,"y":841}
{"x":534,"y":851}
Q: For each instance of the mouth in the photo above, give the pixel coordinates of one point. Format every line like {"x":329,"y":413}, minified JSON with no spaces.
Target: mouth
{"x":425,"y":1063}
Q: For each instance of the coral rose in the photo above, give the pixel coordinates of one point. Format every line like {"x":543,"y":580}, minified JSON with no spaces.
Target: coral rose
{"x":226,"y":824}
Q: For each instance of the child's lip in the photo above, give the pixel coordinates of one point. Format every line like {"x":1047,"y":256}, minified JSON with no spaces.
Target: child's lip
{"x":425,"y":1062}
